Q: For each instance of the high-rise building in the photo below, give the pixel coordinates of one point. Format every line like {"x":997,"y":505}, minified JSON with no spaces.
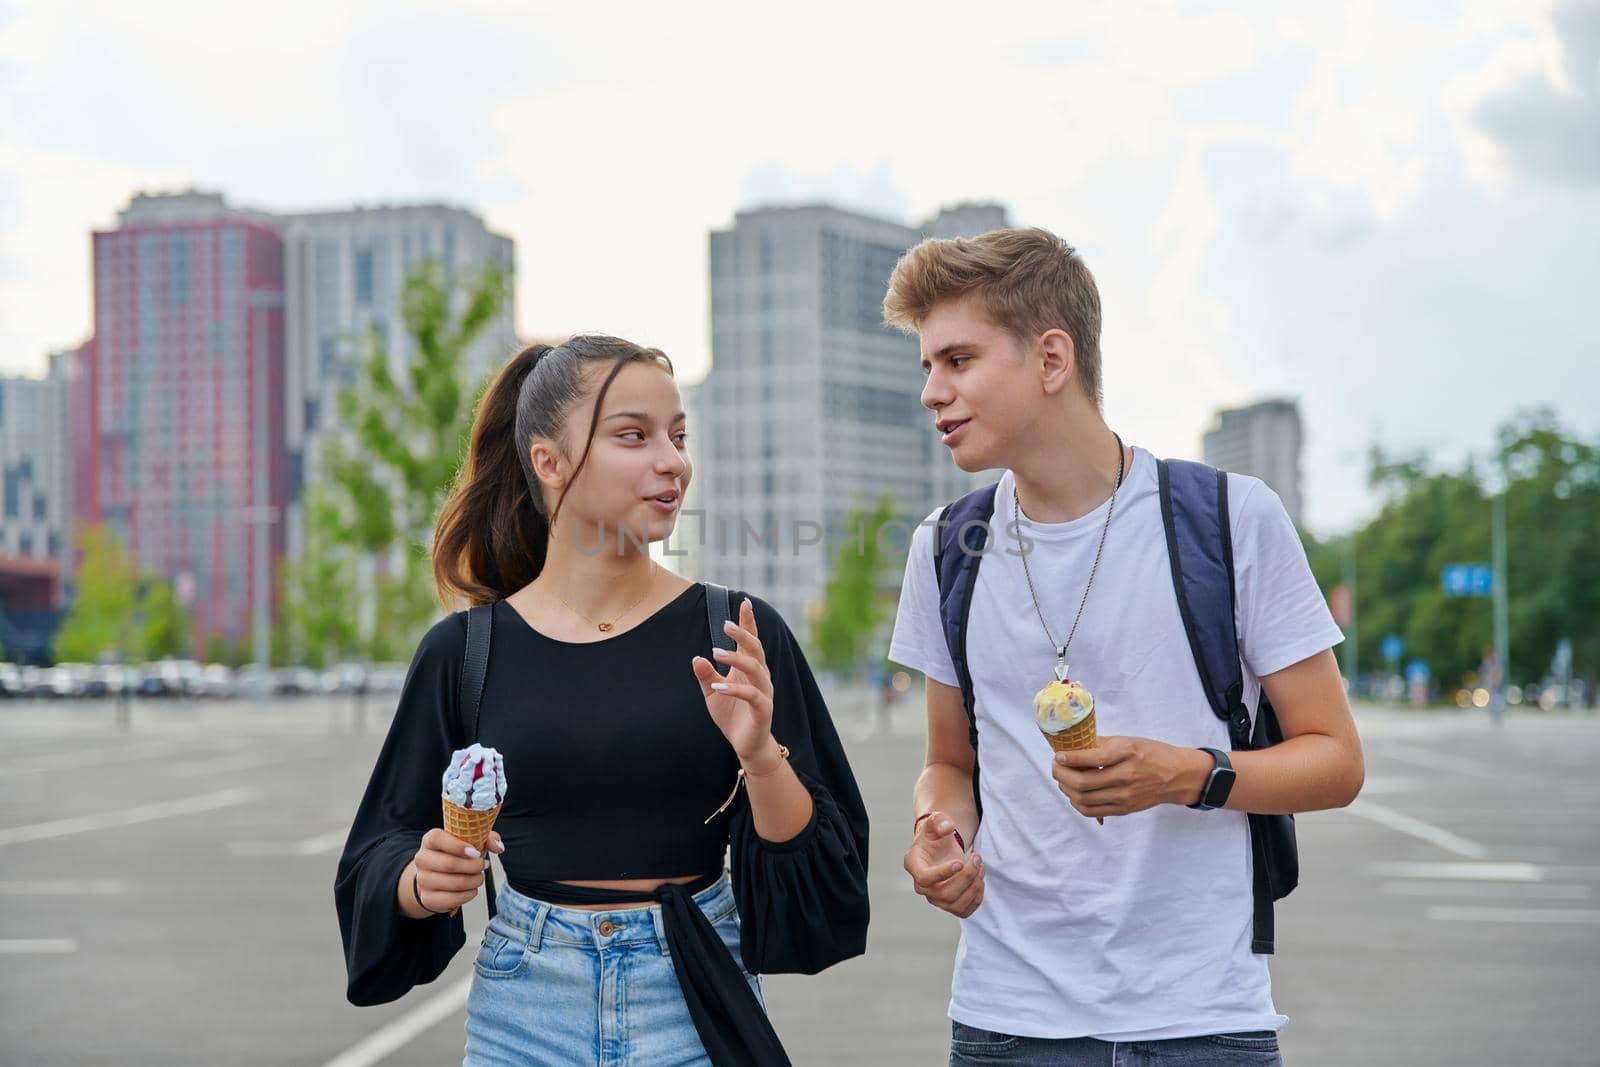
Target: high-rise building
{"x":812,"y":405}
{"x":345,"y":274}
{"x":182,"y":441}
{"x":223,"y":337}
{"x":35,"y":467}
{"x":1262,"y":440}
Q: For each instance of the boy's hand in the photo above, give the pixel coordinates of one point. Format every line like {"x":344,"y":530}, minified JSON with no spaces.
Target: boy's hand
{"x":951,"y":882}
{"x":1122,"y":775}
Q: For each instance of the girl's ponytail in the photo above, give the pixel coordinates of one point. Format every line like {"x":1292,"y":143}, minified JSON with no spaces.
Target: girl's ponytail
{"x":491,"y":537}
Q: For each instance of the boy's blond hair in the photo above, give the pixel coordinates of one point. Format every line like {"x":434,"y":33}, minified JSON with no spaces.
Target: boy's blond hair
{"x":1030,"y":281}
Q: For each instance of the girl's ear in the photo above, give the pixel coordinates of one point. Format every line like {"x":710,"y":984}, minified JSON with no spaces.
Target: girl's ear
{"x":549,"y":465}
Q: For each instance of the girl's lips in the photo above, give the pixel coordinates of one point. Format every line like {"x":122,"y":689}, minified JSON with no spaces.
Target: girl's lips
{"x":665,"y":507}
{"x":954,"y":432}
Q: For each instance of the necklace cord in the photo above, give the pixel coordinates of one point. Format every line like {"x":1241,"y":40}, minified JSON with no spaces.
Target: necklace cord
{"x":1016,"y":514}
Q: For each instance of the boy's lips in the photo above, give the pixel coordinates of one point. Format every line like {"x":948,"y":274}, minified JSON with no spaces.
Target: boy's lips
{"x":950,"y":429}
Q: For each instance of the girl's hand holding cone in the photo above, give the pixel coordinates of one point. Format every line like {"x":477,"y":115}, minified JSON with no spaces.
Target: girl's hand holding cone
{"x":448,"y":871}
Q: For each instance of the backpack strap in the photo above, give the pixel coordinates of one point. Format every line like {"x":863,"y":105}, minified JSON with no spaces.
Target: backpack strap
{"x":959,"y":542}
{"x":719,"y":609}
{"x":1194,"y":512}
{"x":474,"y":669}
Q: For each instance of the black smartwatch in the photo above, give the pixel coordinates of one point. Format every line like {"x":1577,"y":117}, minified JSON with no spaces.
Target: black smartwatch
{"x":1219,"y":785}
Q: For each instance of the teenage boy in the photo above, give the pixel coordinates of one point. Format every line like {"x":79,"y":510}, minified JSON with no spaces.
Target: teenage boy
{"x":1110,"y":910}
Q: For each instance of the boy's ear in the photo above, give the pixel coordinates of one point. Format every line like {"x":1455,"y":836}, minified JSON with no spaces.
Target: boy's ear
{"x":1059,"y":360}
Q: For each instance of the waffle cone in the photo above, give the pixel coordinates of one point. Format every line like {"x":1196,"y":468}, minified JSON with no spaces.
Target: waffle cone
{"x":1073,"y":738}
{"x":468,"y":824}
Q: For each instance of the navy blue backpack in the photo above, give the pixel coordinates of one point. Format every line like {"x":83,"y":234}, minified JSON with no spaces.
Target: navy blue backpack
{"x":1194,"y":510}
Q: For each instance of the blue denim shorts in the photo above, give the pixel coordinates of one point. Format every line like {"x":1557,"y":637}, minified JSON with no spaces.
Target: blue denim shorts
{"x":568,"y":987}
{"x":970,"y":1046}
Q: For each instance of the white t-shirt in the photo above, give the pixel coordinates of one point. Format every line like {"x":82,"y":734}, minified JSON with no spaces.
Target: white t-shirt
{"x":1138,"y":929}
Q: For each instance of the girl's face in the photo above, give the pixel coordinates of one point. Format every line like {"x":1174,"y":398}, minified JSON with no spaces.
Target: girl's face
{"x":633,"y":484}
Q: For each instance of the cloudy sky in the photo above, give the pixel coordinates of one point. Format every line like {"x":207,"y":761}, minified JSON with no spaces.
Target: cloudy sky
{"x":1390,"y":211}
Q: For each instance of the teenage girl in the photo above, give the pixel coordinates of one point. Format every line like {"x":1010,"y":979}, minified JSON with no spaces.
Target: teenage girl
{"x":633,"y":764}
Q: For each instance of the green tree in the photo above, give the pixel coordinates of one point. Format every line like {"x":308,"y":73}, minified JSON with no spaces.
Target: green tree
{"x":101,"y":621}
{"x":854,"y":604}
{"x":1431,"y":519}
{"x":166,"y":628}
{"x":409,"y":438}
{"x":316,"y":623}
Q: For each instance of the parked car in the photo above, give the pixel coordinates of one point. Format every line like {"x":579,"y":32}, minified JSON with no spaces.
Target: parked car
{"x":217,"y":680}
{"x":294,"y":681}
{"x":253,"y":682}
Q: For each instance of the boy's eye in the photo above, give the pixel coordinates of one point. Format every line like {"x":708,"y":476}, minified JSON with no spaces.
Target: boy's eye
{"x":956,"y":361}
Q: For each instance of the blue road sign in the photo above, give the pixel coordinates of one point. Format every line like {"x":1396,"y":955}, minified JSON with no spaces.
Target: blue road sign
{"x":1468,"y":579}
{"x":1392,"y":647}
{"x":1416,"y":672}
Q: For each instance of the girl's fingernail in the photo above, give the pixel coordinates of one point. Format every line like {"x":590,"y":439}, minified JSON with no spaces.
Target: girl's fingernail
{"x":472,"y":853}
{"x":721,"y":653}
{"x":730,"y":626}
{"x":719,"y":686}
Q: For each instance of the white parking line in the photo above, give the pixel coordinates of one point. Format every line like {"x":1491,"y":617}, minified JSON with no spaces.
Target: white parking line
{"x":64,"y":887}
{"x":230,"y":764}
{"x":1423,"y":831}
{"x":1480,"y":872}
{"x":311,"y":846}
{"x":133,"y":752}
{"x":1422,"y":757}
{"x":1529,"y":890}
{"x":1564,"y":916}
{"x":38,"y":946}
{"x":391,"y":1038}
{"x":167,"y":809}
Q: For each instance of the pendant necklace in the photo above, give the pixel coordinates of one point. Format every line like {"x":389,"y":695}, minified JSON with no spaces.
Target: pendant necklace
{"x":1071,"y":697}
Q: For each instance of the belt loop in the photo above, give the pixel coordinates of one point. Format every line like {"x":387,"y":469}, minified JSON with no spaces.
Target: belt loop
{"x":658,"y":917}
{"x":541,"y":912}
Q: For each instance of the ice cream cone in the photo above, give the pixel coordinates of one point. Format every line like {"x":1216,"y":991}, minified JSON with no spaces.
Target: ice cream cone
{"x":468,"y":824}
{"x":1077,"y":736}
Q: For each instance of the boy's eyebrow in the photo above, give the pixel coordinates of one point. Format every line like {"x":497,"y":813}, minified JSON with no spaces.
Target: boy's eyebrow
{"x":640,"y":416}
{"x":947,"y":350}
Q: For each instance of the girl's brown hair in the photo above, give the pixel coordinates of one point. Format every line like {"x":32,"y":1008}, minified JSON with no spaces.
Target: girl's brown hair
{"x":493,"y":531}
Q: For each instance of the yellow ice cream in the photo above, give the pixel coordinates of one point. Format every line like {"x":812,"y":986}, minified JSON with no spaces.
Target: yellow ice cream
{"x":1060,"y":706}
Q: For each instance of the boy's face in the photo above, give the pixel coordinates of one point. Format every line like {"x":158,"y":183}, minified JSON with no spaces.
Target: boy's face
{"x":981,"y":396}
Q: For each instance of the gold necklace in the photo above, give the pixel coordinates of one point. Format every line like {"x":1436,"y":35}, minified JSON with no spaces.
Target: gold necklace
{"x":605,"y":627}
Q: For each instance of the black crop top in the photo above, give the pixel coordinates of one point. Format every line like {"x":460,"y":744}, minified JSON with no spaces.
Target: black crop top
{"x":612,"y":766}
{"x":612,"y":761}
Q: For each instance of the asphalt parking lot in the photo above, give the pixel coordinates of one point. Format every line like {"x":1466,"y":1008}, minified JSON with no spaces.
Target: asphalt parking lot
{"x":166,"y":897}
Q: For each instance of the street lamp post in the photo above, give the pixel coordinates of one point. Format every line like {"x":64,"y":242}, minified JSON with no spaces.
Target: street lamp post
{"x":1502,"y":594}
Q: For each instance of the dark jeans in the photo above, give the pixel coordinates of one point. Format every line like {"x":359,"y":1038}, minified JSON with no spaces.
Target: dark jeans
{"x":972,"y":1047}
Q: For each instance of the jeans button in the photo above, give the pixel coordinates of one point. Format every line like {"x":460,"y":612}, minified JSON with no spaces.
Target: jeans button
{"x":607,"y":928}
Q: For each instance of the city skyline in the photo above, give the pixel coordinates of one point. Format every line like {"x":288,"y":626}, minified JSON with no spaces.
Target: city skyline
{"x":1370,"y":208}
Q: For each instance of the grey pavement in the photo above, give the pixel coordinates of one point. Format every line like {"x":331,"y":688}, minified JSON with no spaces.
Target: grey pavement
{"x":166,"y":898}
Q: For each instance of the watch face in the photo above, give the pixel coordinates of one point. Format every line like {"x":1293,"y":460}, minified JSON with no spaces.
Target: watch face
{"x":1221,"y":785}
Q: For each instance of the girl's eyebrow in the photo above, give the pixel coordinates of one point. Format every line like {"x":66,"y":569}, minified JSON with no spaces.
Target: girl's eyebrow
{"x":640,"y":416}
